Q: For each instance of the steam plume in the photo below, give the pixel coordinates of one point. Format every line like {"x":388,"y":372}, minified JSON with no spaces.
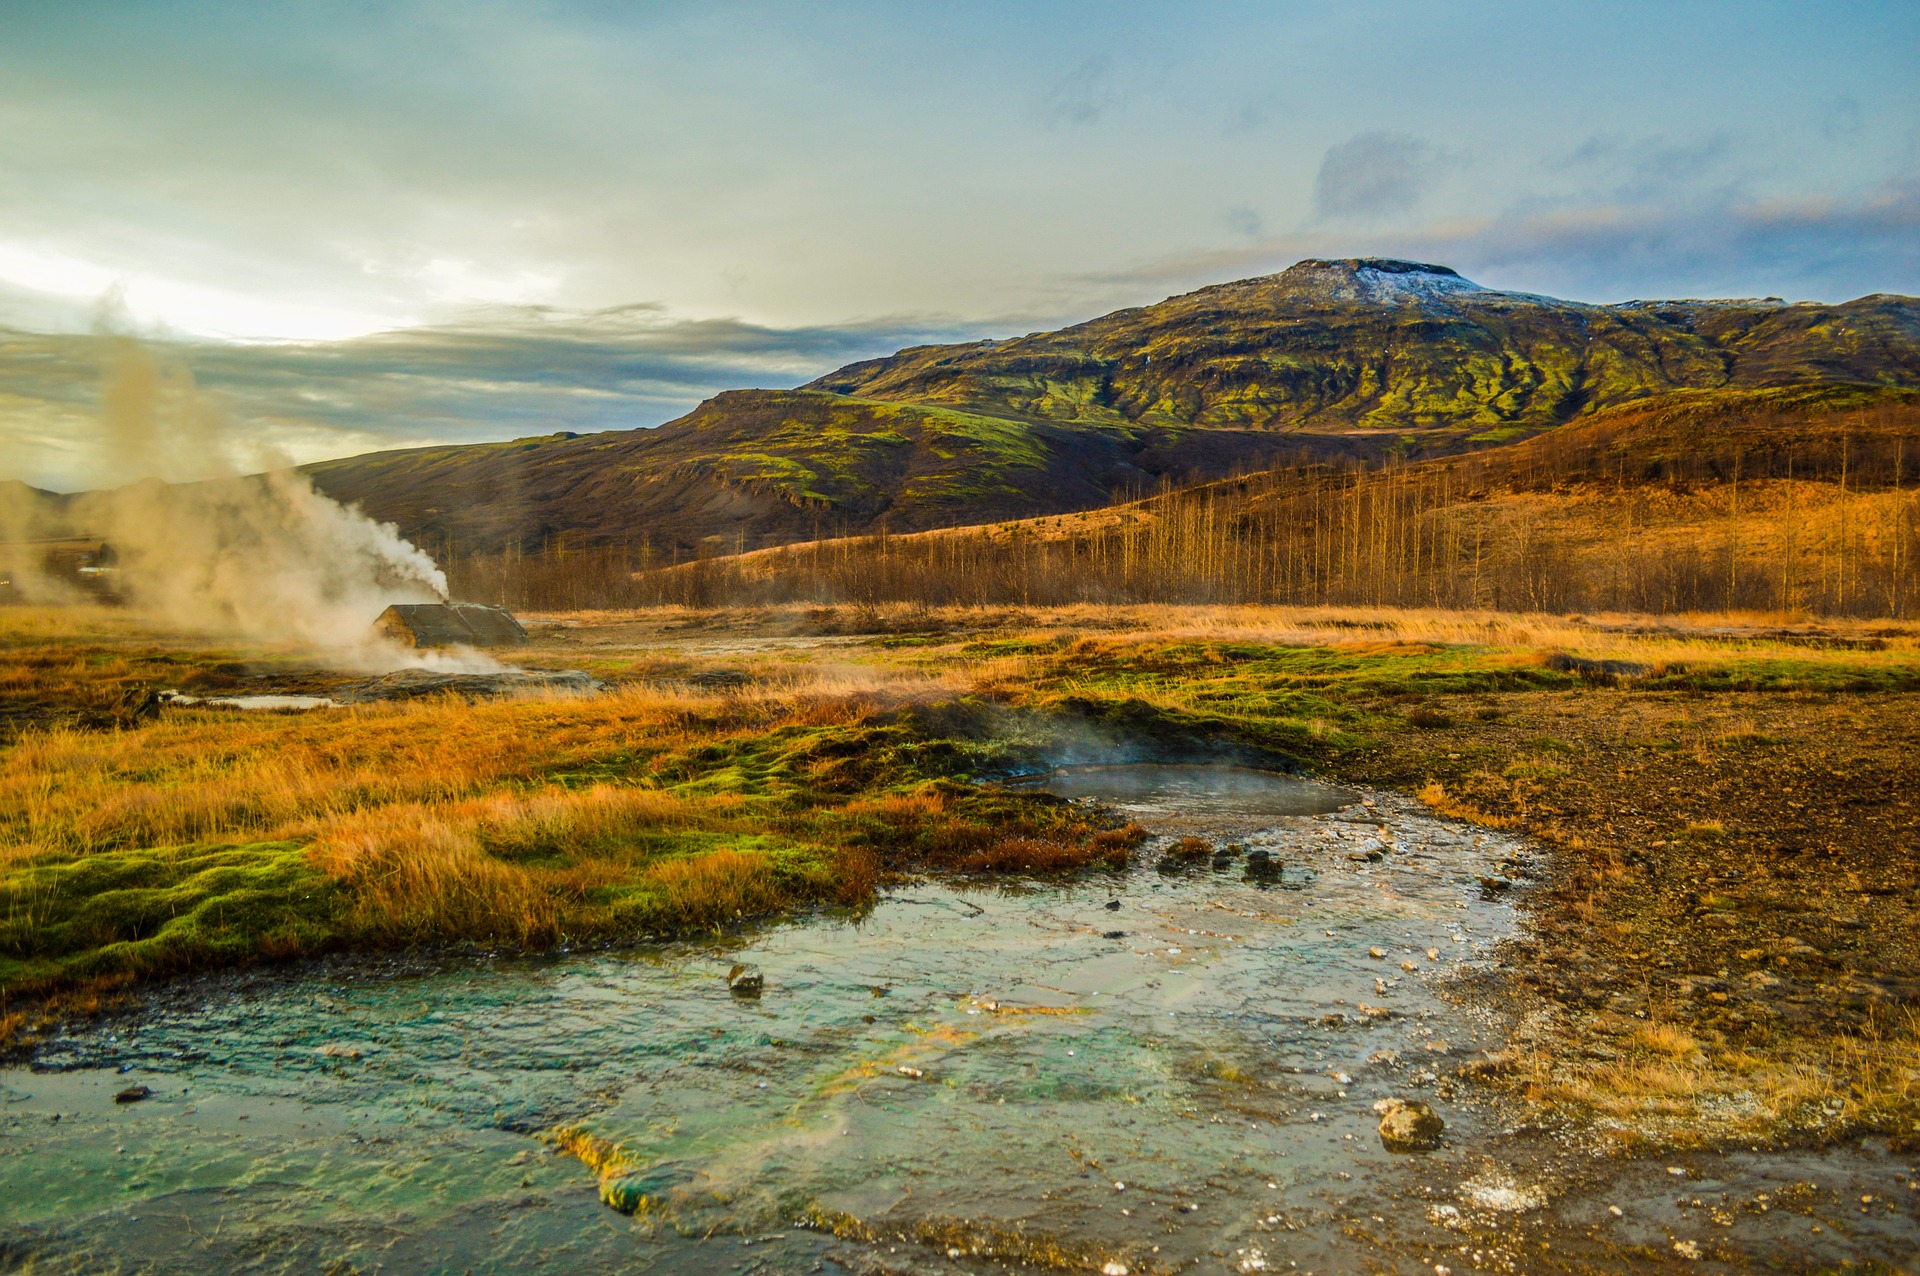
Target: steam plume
{"x":262,"y":556}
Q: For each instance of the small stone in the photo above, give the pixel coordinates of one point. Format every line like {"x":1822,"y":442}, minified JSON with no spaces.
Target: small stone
{"x":1407,"y":965}
{"x":915,"y":1073}
{"x":132,"y":1094}
{"x":1408,"y":1125}
{"x":1376,"y":953}
{"x":746,"y":981}
{"x":1616,"y":1211}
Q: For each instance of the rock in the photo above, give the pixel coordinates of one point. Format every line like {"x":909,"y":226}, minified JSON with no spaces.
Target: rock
{"x":133,"y":1094}
{"x":746,"y":981}
{"x":1408,"y":1125}
{"x":1377,"y":954}
{"x":412,"y":684}
{"x":1113,"y":906}
{"x":914,"y":1074}
{"x":1261,"y":865}
{"x":1561,"y":662}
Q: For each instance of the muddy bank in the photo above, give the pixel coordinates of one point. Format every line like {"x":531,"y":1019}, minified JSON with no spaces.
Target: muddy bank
{"x":1738,"y":868}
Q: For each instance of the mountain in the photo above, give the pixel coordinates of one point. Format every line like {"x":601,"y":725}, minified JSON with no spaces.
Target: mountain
{"x":1360,"y":358}
{"x":1391,"y":345}
{"x":758,"y":467}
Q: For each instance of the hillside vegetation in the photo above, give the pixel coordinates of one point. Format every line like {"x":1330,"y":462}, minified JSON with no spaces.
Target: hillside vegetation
{"x":1802,"y":500}
{"x":1327,"y":362}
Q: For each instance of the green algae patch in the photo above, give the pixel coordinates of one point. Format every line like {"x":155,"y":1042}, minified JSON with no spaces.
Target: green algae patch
{"x":154,"y":910}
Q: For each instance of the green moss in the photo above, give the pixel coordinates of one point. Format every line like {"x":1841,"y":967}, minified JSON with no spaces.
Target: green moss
{"x":150,"y":910}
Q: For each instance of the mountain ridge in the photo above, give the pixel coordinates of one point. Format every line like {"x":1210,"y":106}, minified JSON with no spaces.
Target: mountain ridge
{"x":1328,"y":361}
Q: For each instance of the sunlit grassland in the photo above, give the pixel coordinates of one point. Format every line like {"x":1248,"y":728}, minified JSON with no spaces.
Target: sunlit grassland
{"x":850,"y":745}
{"x":218,"y":837}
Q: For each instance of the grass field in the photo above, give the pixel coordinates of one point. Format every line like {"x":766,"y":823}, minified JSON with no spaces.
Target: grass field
{"x":1726,"y":945}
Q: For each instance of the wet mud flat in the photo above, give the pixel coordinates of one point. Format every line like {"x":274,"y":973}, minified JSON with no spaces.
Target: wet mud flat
{"x":1169,"y":1069}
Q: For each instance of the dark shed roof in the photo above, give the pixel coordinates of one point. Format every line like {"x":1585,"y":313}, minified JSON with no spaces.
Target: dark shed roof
{"x":450,"y":625}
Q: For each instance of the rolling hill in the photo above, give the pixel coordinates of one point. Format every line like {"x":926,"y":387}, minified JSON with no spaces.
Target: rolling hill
{"x":1328,"y":360}
{"x":1801,"y":499}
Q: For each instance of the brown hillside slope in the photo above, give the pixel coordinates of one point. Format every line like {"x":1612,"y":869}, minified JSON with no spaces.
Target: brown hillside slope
{"x":1363,"y":359}
{"x":1795,"y":500}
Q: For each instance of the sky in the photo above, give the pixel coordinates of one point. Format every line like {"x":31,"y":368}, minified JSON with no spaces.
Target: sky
{"x":356,"y":225}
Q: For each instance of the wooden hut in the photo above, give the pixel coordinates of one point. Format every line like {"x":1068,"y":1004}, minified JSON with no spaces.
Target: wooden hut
{"x":449,"y":625}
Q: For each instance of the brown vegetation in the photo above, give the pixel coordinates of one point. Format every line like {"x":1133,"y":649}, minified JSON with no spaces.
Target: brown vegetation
{"x":1764,"y":502}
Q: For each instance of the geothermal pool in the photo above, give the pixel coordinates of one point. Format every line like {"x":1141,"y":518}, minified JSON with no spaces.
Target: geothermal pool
{"x":960,"y":1079}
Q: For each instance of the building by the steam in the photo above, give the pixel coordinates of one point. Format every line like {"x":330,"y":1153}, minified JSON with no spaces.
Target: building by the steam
{"x":449,"y":625}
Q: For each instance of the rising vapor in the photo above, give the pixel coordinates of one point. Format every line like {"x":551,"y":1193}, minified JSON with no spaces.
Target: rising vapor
{"x":262,"y":556}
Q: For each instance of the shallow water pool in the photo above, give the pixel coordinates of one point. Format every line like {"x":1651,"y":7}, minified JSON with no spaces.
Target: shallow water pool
{"x":1141,"y":1070}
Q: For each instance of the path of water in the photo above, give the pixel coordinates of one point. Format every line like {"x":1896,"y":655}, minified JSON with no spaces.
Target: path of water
{"x":1185,"y":1078}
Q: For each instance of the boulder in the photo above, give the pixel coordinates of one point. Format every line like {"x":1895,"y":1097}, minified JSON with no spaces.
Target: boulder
{"x":1408,"y":1125}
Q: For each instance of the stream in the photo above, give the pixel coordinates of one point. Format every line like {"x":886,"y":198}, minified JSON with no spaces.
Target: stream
{"x":1171,"y":1068}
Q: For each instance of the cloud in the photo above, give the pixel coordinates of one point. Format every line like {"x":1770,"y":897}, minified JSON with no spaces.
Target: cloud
{"x":501,"y":373}
{"x":1640,"y":170}
{"x":1243,"y":221}
{"x":1373,"y":173}
{"x":1828,"y":249}
{"x":1083,"y":95}
{"x":1832,"y":248}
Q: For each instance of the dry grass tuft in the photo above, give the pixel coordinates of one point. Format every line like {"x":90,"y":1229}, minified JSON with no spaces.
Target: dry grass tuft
{"x":707,"y":892}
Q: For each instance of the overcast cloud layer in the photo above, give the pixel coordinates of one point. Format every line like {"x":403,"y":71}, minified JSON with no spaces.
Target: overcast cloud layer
{"x":583,"y":215}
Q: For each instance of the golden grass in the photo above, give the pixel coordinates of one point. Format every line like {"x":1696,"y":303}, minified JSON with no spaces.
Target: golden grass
{"x":225,"y":779}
